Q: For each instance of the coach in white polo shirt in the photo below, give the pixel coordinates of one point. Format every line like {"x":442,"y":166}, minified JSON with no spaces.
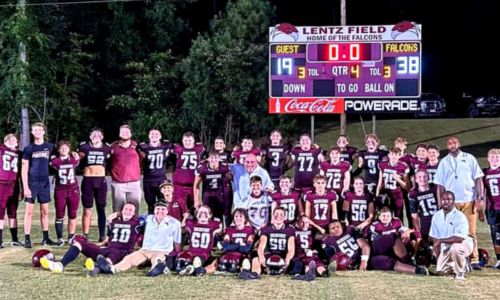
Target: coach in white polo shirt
{"x":460,"y":173}
{"x":450,"y":235}
{"x":161,"y":237}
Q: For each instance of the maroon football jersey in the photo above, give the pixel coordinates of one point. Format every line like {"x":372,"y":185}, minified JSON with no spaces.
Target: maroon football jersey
{"x":201,"y":237}
{"x":122,"y":234}
{"x":277,"y":239}
{"x":306,"y":166}
{"x":176,"y":208}
{"x":378,"y":229}
{"x":348,"y":154}
{"x":290,"y":203}
{"x":492,"y":183}
{"x":154,"y":163}
{"x":345,"y":243}
{"x":238,"y":236}
{"x":387,"y":170}
{"x":240,"y":155}
{"x":321,"y":207}
{"x":431,"y":170}
{"x":94,"y":156}
{"x":407,"y":158}
{"x":225,"y":157}
{"x":65,"y":171}
{"x":358,"y":207}
{"x":416,"y":164}
{"x":186,"y":162}
{"x":10,"y":164}
{"x":303,"y":242}
{"x":370,"y":163}
{"x":212,"y":180}
{"x":275,"y":157}
{"x":335,"y":174}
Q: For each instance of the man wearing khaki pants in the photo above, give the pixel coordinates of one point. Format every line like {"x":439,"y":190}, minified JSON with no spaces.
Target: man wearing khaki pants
{"x":460,"y":173}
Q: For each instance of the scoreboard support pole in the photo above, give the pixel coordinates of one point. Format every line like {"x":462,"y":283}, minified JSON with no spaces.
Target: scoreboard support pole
{"x":343,"y":22}
{"x":312,"y":128}
{"x":374,"y":120}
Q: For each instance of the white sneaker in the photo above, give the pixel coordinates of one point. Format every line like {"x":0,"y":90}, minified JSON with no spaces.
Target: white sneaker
{"x":187,"y":271}
{"x":460,"y":276}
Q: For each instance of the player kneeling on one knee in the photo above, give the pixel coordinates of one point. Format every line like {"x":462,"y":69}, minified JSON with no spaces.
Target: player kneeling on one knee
{"x":201,"y":240}
{"x":276,"y":247}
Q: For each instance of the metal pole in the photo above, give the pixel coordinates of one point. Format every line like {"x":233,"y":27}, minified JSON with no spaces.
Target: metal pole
{"x":24,"y":111}
{"x":343,"y":117}
{"x":312,"y":128}
{"x":374,"y":119}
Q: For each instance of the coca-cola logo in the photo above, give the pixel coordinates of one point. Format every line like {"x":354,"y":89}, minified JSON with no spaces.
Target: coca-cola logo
{"x":316,"y":106}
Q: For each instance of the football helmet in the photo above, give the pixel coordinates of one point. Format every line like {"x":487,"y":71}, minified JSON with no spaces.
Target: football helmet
{"x":425,"y":255}
{"x":183,"y":260}
{"x":344,"y":262}
{"x":229,"y":262}
{"x":35,"y":260}
{"x":275,"y":265}
{"x":484,"y":257}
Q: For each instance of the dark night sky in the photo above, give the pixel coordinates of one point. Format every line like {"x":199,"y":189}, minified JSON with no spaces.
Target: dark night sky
{"x":456,"y":38}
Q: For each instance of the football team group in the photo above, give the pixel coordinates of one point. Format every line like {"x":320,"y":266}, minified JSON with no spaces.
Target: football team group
{"x":239,"y":212}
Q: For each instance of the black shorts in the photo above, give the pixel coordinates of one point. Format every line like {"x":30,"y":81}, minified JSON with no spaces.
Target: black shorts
{"x":40,"y":191}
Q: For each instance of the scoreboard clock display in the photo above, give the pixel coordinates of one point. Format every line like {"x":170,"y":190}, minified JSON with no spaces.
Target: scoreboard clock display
{"x":345,"y":61}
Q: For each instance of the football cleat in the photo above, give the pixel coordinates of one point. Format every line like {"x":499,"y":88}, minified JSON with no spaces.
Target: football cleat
{"x":421,"y":271}
{"x":157,"y":270}
{"x":476,"y":267}
{"x":312,"y":269}
{"x":16,"y":244}
{"x":27,"y":244}
{"x":60,"y":242}
{"x":189,"y":270}
{"x":306,"y":277}
{"x":104,"y":265}
{"x":90,"y":267}
{"x":460,"y":276}
{"x":53,"y":266}
{"x":247,"y":275}
{"x":49,"y":242}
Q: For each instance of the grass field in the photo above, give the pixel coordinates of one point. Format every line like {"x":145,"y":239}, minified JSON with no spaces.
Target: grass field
{"x":18,"y":280}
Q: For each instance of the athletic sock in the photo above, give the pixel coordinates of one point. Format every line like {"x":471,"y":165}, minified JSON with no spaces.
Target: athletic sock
{"x":70,"y":255}
{"x":45,"y":234}
{"x":13,"y":234}
{"x":101,"y":222}
{"x":59,"y":228}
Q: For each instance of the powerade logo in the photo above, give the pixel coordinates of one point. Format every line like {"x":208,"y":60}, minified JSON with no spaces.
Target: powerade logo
{"x":382,"y":105}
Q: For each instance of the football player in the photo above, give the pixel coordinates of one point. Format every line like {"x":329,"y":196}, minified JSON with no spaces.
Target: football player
{"x":258,"y":204}
{"x":338,"y":175}
{"x":393,"y":178}
{"x":94,"y":156}
{"x":347,"y":153}
{"x":213,"y":175}
{"x":188,"y":156}
{"x":358,"y":207}
{"x":402,"y":144}
{"x":154,"y":165}
{"x":9,"y":186}
{"x":202,"y":232}
{"x":433,"y":162}
{"x":122,"y":233}
{"x":66,"y":192}
{"x":492,"y":184}
{"x":423,"y":204}
{"x":306,"y":159}
{"x":388,"y":237}
{"x":238,"y":242}
{"x":276,"y":240}
{"x":368,"y":161}
{"x":220,"y":147}
{"x":347,"y":241}
{"x":275,"y":157}
{"x":420,"y":160}
{"x":246,"y":147}
{"x":305,"y":254}
{"x":288,"y":199}
{"x":176,"y":206}
{"x":320,"y":205}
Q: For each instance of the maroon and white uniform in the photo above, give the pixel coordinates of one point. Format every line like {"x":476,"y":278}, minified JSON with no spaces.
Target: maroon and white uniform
{"x":416,"y":164}
{"x":431,"y":170}
{"x":275,"y":158}
{"x":122,"y":236}
{"x":391,"y":187}
{"x":358,"y":207}
{"x":304,"y":247}
{"x":335,"y":174}
{"x":407,"y":158}
{"x":346,"y":243}
{"x":154,"y":166}
{"x":348,"y":154}
{"x":321,"y":207}
{"x":492,"y":185}
{"x":370,"y":163}
{"x":238,"y":236}
{"x":94,"y":186}
{"x":306,"y":167}
{"x":425,"y":205}
{"x":290,"y":203}
{"x":201,"y":239}
{"x":213,"y":187}
{"x":177,"y":208}
{"x":183,"y":177}
{"x":240,"y":155}
{"x":383,"y":236}
{"x":66,"y":192}
{"x":9,"y":182}
{"x":225,"y":157}
{"x":277,"y":239}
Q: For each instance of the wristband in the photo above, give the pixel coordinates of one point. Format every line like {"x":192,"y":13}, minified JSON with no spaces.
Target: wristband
{"x":364,"y":257}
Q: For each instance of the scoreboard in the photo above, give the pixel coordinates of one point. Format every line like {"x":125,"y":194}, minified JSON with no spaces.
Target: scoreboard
{"x":368,"y":62}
